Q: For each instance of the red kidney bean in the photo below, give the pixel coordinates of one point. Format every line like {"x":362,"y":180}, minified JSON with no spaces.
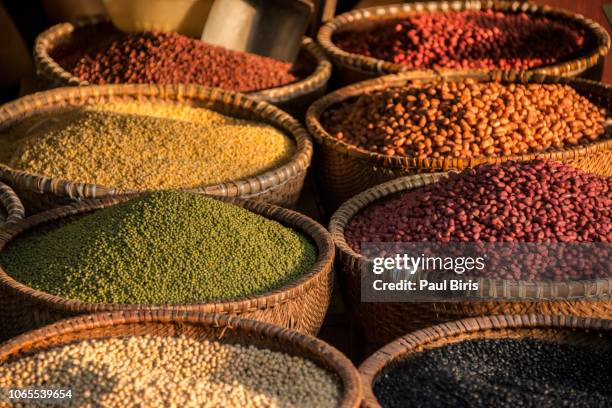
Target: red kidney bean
{"x":468,"y":40}
{"x":471,"y":206}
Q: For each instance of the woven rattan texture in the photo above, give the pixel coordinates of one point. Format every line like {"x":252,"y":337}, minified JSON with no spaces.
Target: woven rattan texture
{"x":299,"y":305}
{"x":354,"y":67}
{"x":595,"y":333}
{"x":383,"y":322}
{"x":11,"y":209}
{"x":281,"y":185}
{"x":199,"y":326}
{"x":346,"y":170}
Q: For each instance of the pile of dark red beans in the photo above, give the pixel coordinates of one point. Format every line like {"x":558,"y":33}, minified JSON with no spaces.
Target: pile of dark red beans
{"x":468,"y":40}
{"x":514,"y":202}
{"x":172,"y":58}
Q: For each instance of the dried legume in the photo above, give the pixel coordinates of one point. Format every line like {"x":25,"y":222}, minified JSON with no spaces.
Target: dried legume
{"x":145,"y":146}
{"x":163,"y":247}
{"x":468,"y":40}
{"x":500,"y":373}
{"x":466,"y":119}
{"x":535,"y":201}
{"x":171,"y":58}
{"x":152,"y":371}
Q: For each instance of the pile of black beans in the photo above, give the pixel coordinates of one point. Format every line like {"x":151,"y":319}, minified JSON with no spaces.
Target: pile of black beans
{"x":500,"y":373}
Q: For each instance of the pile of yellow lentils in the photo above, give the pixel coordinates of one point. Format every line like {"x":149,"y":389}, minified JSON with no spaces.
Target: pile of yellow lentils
{"x":144,"y":146}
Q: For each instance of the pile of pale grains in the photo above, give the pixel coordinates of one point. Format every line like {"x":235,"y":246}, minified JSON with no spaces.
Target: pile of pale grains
{"x":153,"y":371}
{"x":143,"y":146}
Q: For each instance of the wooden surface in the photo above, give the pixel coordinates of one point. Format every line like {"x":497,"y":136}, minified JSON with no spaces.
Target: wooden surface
{"x":588,"y":8}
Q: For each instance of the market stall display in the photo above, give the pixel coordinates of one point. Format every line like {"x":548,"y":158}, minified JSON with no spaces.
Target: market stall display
{"x":148,"y":255}
{"x":272,"y":171}
{"x":518,"y":359}
{"x":410,"y":123}
{"x":473,"y":37}
{"x":154,"y":252}
{"x":193,"y":359}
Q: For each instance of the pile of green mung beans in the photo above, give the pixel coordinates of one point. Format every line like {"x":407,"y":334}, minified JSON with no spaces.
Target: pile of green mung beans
{"x":165,"y":247}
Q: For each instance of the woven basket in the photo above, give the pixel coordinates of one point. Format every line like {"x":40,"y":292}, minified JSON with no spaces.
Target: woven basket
{"x":199,"y":326}
{"x":299,"y":305}
{"x":383,"y":322}
{"x":594,"y":333}
{"x":316,"y":67}
{"x":11,"y":209}
{"x":281,"y":185}
{"x":11,"y":212}
{"x":355,"y":67}
{"x":346,"y":170}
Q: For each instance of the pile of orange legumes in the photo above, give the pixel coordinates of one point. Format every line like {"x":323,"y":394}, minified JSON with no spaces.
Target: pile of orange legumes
{"x":466,"y":119}
{"x":136,"y":146}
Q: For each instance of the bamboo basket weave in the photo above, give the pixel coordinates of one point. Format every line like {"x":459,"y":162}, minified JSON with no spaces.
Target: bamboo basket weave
{"x":594,"y":333}
{"x":11,"y":209}
{"x":290,"y":97}
{"x":198,"y":326}
{"x":281,"y":185}
{"x":299,"y":305}
{"x":11,"y":212}
{"x":345,"y":170}
{"x":383,"y":322}
{"x":355,"y":67}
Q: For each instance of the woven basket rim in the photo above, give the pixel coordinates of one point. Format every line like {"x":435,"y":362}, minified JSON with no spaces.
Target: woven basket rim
{"x":294,"y":289}
{"x":317,"y":80}
{"x":323,"y":137}
{"x":11,"y":204}
{"x":31,"y":105}
{"x":367,"y":65}
{"x":46,"y":65}
{"x":405,"y":345}
{"x":498,"y":289}
{"x":334,"y":359}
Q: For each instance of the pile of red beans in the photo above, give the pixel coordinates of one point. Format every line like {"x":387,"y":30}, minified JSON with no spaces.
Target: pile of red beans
{"x":536,"y":201}
{"x":468,"y":40}
{"x":171,"y":58}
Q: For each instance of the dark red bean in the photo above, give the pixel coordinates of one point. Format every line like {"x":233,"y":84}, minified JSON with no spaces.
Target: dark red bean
{"x":171,"y":58}
{"x":469,"y":39}
{"x":474,"y":205}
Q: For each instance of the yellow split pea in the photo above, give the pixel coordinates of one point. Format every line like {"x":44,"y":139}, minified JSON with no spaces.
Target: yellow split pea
{"x":143,"y":146}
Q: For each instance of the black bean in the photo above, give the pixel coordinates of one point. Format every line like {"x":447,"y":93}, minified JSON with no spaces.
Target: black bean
{"x":500,"y":373}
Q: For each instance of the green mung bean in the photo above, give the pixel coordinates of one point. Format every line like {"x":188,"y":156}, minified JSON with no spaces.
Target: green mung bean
{"x":165,"y":247}
{"x":144,"y":146}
